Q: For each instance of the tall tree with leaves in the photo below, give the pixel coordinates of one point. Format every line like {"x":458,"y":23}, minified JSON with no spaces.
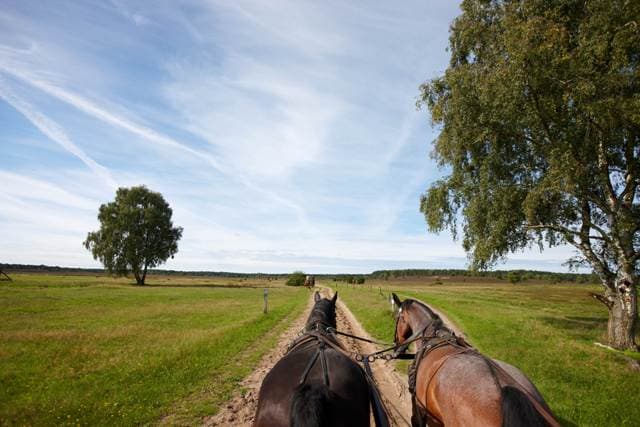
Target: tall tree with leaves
{"x":136,"y":233}
{"x":539,"y":112}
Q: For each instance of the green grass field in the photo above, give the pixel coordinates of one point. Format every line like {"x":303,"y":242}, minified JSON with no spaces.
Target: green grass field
{"x":98,"y":351}
{"x":548,"y":331}
{"x":81,"y":349}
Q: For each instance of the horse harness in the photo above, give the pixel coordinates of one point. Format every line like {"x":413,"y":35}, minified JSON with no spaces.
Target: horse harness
{"x":325,"y":337}
{"x":434,"y":338}
{"x":323,"y":341}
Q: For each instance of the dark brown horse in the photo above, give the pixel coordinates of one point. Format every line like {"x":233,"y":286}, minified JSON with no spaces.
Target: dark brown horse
{"x":316,"y":383}
{"x":453,"y":384}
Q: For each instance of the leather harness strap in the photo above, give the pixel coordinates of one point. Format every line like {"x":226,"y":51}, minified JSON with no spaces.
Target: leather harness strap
{"x":323,"y":340}
{"x":310,"y":364}
{"x":448,"y":338}
{"x":504,"y":378}
{"x":413,"y":370}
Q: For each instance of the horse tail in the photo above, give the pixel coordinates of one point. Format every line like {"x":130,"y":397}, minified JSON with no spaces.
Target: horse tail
{"x":518,"y":411}
{"x":310,"y":406}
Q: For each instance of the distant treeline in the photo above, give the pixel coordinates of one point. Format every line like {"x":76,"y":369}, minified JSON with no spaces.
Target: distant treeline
{"x":511,"y":275}
{"x":28,"y":268}
{"x":349,"y":278}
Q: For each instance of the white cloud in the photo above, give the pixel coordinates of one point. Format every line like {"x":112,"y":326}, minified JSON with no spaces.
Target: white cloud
{"x":145,"y":132}
{"x":282,"y":133}
{"x":19,"y":186}
{"x":54,"y":132}
{"x":135,"y":17}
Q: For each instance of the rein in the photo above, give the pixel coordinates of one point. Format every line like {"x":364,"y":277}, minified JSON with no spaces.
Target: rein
{"x":397,"y":349}
{"x":321,"y":336}
{"x":435,"y":341}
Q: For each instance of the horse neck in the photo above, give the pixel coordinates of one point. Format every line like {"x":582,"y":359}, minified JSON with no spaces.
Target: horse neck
{"x":320,"y":316}
{"x":419,"y":317}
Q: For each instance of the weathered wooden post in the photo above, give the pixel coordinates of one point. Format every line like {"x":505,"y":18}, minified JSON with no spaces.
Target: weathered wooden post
{"x":266,"y":304}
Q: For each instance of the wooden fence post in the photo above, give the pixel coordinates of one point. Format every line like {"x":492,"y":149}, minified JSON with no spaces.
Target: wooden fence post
{"x":266,"y":304}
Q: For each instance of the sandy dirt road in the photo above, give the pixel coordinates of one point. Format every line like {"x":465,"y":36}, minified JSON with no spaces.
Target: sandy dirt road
{"x":240,"y":409}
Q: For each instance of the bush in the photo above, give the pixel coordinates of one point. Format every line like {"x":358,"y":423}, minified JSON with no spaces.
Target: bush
{"x":296,"y":278}
{"x":514,"y":277}
{"x":360,"y":280}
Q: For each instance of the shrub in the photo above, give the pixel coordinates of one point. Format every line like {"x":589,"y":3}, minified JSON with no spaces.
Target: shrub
{"x":514,"y":277}
{"x":296,"y":278}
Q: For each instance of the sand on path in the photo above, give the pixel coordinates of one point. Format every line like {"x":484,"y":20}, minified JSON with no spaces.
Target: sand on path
{"x":240,"y":409}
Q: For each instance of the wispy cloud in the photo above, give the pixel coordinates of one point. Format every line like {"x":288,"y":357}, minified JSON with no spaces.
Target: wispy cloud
{"x":94,"y":110}
{"x":55,"y":132}
{"x":135,"y":17}
{"x":282,"y":133}
{"x":25,"y":187}
{"x":90,"y":108}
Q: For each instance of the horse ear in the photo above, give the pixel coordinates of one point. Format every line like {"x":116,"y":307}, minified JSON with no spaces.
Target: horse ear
{"x":397,"y":300}
{"x":335,"y":298}
{"x":317,"y":296}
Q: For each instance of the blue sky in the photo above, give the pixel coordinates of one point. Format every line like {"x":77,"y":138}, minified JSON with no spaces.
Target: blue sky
{"x":284,"y":134}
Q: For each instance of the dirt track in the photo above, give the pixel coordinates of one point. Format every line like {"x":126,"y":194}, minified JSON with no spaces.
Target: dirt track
{"x":239,"y":411}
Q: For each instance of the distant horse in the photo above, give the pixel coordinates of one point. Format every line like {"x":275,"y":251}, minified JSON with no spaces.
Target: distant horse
{"x":316,"y":383}
{"x":453,"y":384}
{"x":310,"y":282}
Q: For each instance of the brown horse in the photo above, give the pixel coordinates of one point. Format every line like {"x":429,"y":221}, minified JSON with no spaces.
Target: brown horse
{"x":310,"y":282}
{"x":453,"y":384}
{"x":316,"y":383}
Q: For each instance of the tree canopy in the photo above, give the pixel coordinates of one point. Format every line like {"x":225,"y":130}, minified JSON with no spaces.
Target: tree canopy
{"x":539,"y":112}
{"x":136,"y":233}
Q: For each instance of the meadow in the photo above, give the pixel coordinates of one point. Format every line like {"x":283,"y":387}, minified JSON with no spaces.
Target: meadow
{"x":93,"y":350}
{"x":82,"y":349}
{"x":548,"y":331}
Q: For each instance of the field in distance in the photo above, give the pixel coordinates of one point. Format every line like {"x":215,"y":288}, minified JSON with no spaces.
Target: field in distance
{"x":81,"y":349}
{"x":546,"y":330}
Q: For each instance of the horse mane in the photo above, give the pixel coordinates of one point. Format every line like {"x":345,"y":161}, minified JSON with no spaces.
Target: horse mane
{"x":323,"y":313}
{"x":436,"y":320}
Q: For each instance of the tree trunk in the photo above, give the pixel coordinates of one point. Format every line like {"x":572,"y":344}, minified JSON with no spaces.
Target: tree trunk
{"x":623,"y":313}
{"x":139,"y":279}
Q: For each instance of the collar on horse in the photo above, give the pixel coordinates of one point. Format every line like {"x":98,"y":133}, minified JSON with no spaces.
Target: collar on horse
{"x":323,"y":339}
{"x":434,"y":338}
{"x":326,"y":337}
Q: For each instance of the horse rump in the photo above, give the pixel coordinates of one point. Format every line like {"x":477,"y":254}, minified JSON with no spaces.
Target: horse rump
{"x":310,"y":406}
{"x":518,"y":411}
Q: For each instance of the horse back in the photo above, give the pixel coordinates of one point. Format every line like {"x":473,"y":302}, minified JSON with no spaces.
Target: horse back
{"x":458,"y":389}
{"x":345,"y":400}
{"x":467,"y":390}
